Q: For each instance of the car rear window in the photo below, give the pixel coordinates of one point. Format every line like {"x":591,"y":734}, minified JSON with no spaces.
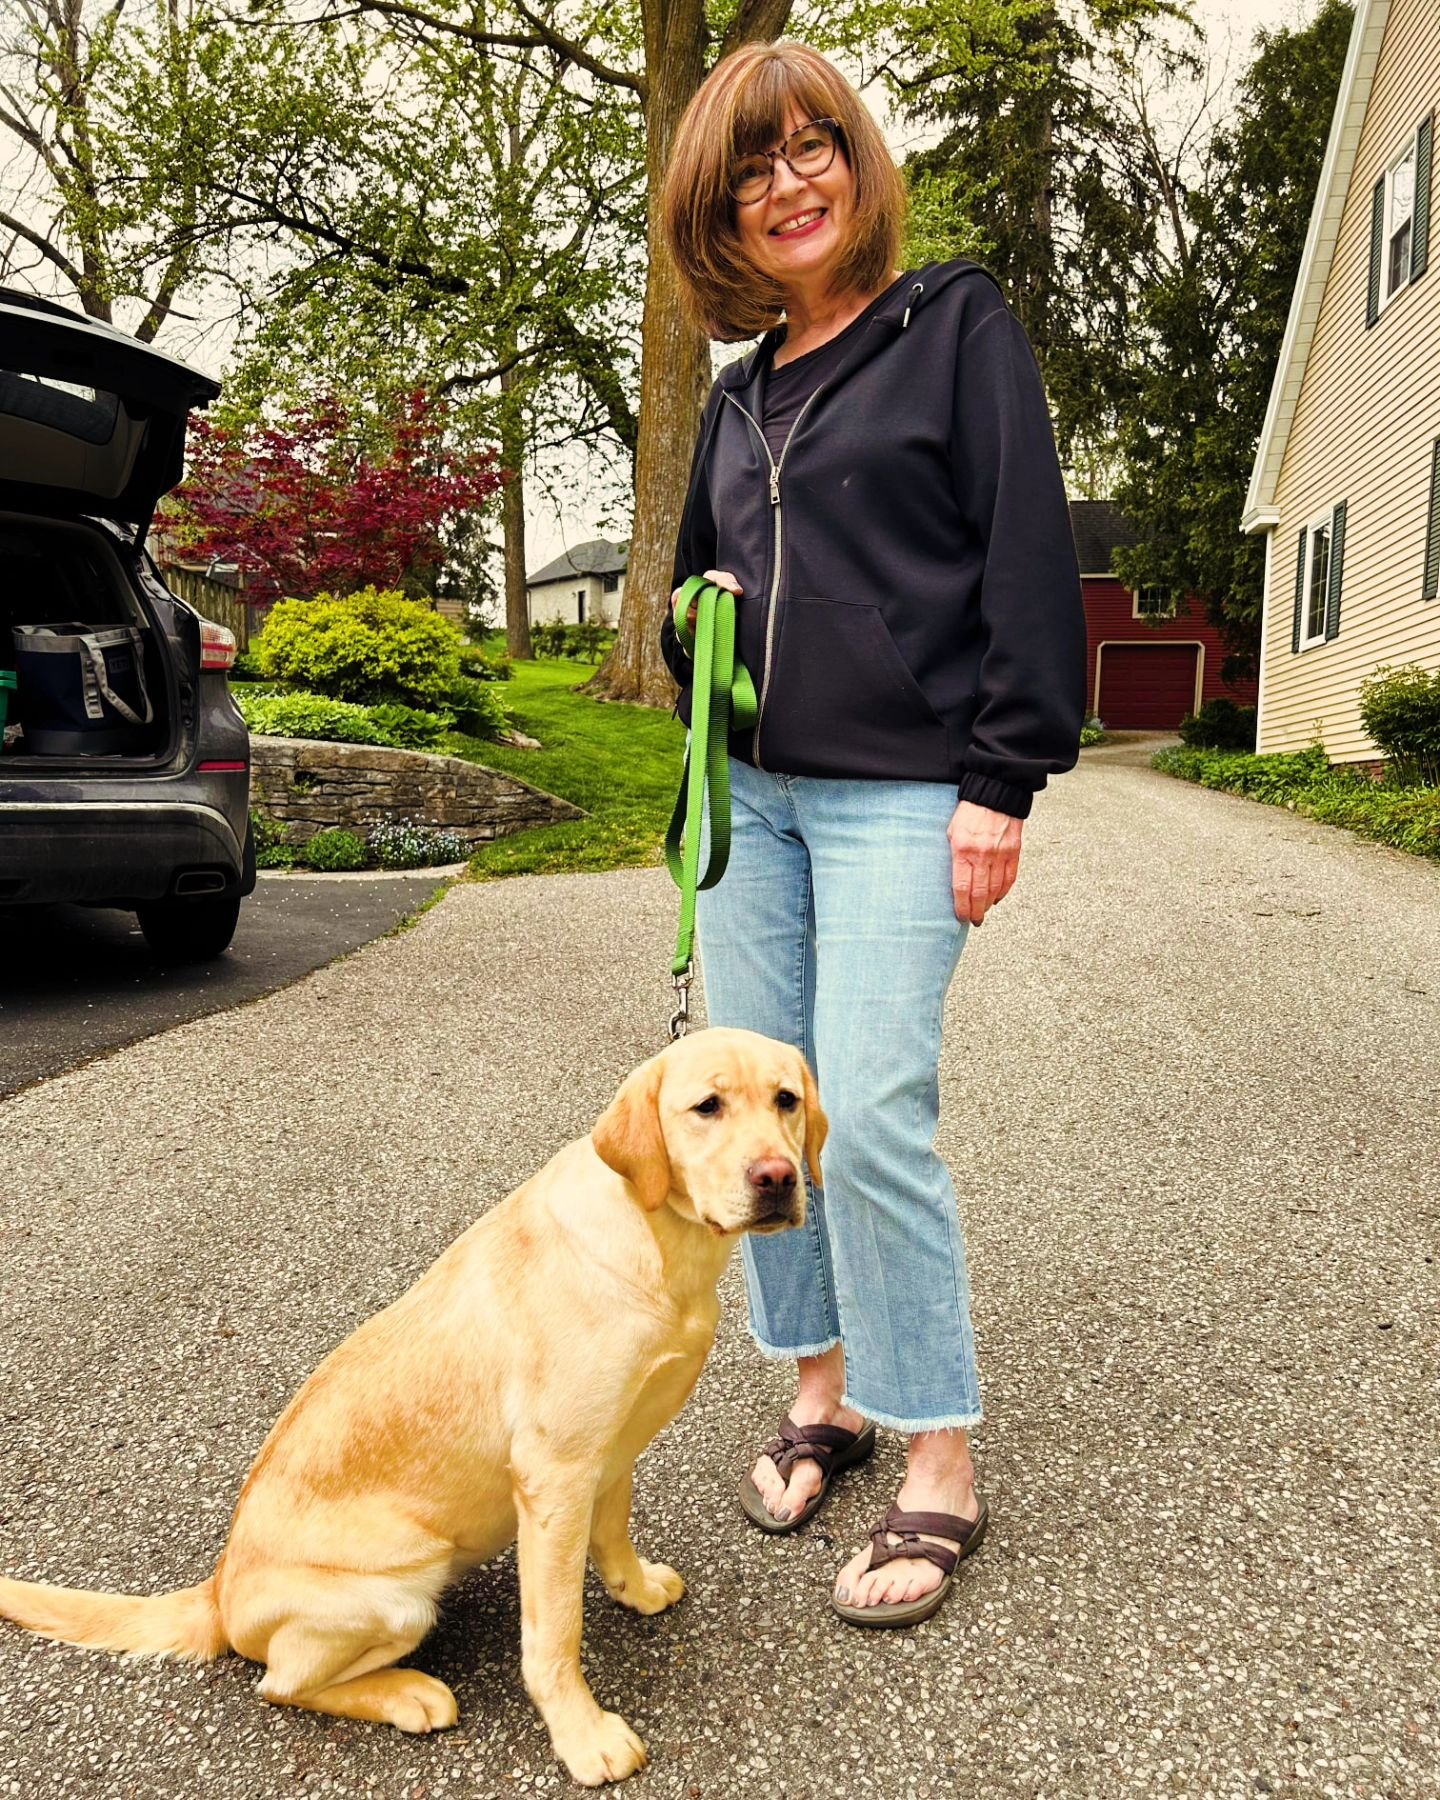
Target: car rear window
{"x":83,"y":412}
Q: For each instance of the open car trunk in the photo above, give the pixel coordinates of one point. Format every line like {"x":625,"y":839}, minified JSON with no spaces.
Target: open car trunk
{"x":97,"y":686}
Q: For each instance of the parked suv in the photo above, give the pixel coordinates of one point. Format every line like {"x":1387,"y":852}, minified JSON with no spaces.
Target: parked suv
{"x":124,"y":778}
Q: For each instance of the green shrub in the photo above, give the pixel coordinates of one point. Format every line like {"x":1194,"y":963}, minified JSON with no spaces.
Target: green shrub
{"x":1405,"y":818}
{"x":586,"y":642}
{"x":245,"y":667}
{"x":370,"y":645}
{"x":1400,"y":709}
{"x":479,"y":709}
{"x":480,"y":664}
{"x":409,"y":728}
{"x":1091,"y":732}
{"x":275,"y":856}
{"x":1219,"y":725}
{"x":410,"y":845}
{"x":265,"y":830}
{"x":548,"y":639}
{"x":334,"y":850}
{"x":337,"y":721}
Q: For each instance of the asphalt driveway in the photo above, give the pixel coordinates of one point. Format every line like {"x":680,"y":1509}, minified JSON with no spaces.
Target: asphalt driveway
{"x":76,"y":981}
{"x":1190,"y":1101}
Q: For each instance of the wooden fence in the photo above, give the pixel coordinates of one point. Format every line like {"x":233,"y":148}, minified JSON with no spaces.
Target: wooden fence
{"x":225,"y":605}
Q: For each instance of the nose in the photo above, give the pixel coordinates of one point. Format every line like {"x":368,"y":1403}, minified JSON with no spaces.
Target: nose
{"x":784,"y":181}
{"x":772,"y":1179}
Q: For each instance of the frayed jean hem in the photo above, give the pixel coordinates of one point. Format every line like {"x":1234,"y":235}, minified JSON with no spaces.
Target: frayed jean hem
{"x":892,"y":1422}
{"x":776,"y":1354}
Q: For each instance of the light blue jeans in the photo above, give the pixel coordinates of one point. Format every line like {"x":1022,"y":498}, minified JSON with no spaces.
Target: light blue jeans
{"x":834,"y":930}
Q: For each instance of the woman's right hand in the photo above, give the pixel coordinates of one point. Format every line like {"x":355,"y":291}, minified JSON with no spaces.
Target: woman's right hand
{"x":719,"y":578}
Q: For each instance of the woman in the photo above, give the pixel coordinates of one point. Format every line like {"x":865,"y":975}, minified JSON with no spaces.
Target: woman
{"x":878,"y":484}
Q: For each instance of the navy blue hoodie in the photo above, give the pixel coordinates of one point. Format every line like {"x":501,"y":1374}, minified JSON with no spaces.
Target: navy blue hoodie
{"x":911,"y":602}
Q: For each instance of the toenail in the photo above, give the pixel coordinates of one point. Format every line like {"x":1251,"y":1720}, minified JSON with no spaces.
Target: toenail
{"x":783,"y":1514}
{"x":842,"y":1595}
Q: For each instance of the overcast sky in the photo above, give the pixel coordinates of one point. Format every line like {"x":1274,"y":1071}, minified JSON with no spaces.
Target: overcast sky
{"x":1229,"y":25}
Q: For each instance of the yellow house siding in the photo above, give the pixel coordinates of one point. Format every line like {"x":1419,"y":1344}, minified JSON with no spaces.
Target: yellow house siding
{"x":1365,"y":421}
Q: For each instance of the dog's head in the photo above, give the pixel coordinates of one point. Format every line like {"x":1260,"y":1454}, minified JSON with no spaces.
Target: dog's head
{"x":717,"y":1125}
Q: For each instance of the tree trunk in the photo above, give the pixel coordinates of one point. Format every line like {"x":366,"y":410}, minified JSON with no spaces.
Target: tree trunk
{"x":512,"y":513}
{"x":675,"y":359}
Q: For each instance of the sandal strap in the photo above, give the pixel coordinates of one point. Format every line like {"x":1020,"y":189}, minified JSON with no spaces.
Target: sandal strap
{"x":808,"y":1443}
{"x":907,"y":1526}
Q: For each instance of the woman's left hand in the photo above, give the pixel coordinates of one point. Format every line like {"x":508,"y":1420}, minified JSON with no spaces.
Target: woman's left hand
{"x":984,"y":859}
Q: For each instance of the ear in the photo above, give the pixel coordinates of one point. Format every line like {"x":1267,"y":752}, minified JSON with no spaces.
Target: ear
{"x":817,"y":1129}
{"x":628,"y":1139}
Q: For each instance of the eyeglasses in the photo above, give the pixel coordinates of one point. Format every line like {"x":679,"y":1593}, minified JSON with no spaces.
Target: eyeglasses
{"x":808,"y":151}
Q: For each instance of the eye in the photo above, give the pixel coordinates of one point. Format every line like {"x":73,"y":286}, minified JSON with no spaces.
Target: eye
{"x":786,"y":1101}
{"x":708,"y":1107}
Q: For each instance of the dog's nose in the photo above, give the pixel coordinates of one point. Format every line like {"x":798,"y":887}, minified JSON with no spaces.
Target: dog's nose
{"x":772,"y":1178}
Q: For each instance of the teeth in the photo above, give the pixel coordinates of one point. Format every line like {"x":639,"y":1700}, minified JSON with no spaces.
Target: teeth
{"x":795,"y":224}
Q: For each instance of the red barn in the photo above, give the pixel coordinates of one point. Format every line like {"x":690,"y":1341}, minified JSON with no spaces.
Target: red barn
{"x":1149,"y":659}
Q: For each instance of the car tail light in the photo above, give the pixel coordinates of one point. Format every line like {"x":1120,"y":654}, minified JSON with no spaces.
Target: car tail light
{"x":217,"y":645}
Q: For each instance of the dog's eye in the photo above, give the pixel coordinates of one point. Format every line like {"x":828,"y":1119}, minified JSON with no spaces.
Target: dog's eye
{"x":708,"y":1106}
{"x":786,"y":1101}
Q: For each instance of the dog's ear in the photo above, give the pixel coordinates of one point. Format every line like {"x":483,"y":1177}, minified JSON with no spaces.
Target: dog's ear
{"x":628,"y":1139}
{"x":817,"y":1129}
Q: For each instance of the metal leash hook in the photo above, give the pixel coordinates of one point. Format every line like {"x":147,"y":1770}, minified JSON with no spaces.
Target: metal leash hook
{"x":680,"y":1018}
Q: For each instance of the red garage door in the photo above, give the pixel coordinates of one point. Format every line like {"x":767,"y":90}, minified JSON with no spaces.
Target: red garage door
{"x":1147,"y":687}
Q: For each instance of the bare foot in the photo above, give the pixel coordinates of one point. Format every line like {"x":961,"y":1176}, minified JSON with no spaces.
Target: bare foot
{"x":940,"y":1478}
{"x":822,"y":1382}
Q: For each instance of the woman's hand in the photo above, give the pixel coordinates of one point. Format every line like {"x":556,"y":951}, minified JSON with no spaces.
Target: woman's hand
{"x":984,"y":859}
{"x":718,"y":578}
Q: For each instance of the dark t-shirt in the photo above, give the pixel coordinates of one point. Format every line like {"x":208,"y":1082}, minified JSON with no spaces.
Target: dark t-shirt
{"x":789,"y":387}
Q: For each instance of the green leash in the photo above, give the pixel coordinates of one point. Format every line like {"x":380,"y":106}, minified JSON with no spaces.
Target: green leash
{"x":724,"y":701}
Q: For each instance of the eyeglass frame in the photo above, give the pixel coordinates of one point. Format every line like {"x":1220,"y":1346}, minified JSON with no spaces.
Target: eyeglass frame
{"x":770,"y":155}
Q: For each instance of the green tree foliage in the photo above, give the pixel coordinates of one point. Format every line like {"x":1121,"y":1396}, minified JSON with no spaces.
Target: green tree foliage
{"x":1048,"y":171}
{"x":1211,"y":329}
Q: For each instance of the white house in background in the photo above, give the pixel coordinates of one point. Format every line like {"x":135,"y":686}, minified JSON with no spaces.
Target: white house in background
{"x":586,"y":582}
{"x":1346,"y":482}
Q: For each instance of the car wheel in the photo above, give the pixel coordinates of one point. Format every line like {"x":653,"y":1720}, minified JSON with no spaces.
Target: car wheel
{"x":189,"y":931}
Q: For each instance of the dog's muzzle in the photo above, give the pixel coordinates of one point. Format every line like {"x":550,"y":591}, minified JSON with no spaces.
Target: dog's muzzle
{"x":776,"y":1193}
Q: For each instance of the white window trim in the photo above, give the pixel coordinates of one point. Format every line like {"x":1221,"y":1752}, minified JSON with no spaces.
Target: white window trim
{"x":1410,"y":148}
{"x":1326,"y":520}
{"x":1171,"y":611}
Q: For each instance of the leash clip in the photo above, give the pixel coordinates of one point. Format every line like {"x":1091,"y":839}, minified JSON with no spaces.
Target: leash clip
{"x":680,"y":1018}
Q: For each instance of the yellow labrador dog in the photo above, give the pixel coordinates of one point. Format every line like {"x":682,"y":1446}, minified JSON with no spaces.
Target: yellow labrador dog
{"x":506,"y":1395}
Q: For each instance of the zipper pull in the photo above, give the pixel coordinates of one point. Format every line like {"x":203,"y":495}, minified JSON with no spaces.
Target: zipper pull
{"x":775,"y":484}
{"x":915,"y":292}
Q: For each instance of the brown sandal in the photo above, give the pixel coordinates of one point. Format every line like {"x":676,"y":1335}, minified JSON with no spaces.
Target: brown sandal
{"x":831,"y":1446}
{"x":907,"y":1526}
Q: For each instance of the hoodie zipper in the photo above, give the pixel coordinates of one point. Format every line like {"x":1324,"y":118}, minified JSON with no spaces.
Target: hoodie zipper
{"x":777,"y":512}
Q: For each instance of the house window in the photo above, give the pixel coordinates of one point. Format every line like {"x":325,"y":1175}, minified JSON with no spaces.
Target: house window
{"x":579,"y":606}
{"x":1399,"y":219}
{"x":1431,"y":588}
{"x":1317,"y":581}
{"x":1153,"y":601}
{"x":610,"y":582}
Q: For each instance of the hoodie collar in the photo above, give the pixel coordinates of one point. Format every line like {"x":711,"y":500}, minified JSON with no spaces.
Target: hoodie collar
{"x":895,"y":311}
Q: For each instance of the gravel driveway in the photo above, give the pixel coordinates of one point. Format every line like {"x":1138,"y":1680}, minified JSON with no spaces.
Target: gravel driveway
{"x":1191,"y":1104}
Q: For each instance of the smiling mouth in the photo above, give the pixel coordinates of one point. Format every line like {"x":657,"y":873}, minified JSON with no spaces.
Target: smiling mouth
{"x":799,"y":222}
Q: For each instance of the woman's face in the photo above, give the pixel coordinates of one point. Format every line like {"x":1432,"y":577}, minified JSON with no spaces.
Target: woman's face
{"x":797,"y":233}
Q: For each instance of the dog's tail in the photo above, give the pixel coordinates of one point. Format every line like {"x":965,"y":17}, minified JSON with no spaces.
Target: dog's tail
{"x":184,"y":1624}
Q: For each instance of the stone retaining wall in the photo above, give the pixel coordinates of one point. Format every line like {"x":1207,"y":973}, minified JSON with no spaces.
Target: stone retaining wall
{"x":311,"y":786}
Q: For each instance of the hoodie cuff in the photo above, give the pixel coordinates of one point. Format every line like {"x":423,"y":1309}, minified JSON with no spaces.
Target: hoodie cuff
{"x":999,"y":796}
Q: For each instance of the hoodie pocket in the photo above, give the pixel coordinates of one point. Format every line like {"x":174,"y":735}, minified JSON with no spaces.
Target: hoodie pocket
{"x":842,"y":700}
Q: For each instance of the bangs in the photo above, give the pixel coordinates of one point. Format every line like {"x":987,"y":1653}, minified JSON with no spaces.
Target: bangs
{"x":762,"y":103}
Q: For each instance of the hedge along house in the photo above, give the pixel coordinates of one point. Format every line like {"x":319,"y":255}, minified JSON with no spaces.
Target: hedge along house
{"x":584,"y":583}
{"x":1346,"y":481}
{"x":1151,"y":657}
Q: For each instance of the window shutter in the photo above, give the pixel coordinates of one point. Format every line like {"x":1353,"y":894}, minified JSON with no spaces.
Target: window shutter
{"x":1337,"y":564}
{"x":1377,"y":232}
{"x":1299,"y":596}
{"x":1432,"y":532}
{"x":1420,"y":241}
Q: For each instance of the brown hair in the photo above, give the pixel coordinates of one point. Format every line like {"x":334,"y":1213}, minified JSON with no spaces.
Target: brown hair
{"x":739,"y":108}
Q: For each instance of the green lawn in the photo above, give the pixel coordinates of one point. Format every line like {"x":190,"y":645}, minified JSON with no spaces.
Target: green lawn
{"x":621,"y":763}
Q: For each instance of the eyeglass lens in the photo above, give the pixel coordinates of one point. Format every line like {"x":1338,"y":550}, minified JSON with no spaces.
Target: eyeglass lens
{"x":809,"y":151}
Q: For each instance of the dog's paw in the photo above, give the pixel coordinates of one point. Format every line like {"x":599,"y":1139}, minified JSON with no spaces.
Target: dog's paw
{"x":661,"y":1587}
{"x":607,"y":1752}
{"x":419,"y":1703}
